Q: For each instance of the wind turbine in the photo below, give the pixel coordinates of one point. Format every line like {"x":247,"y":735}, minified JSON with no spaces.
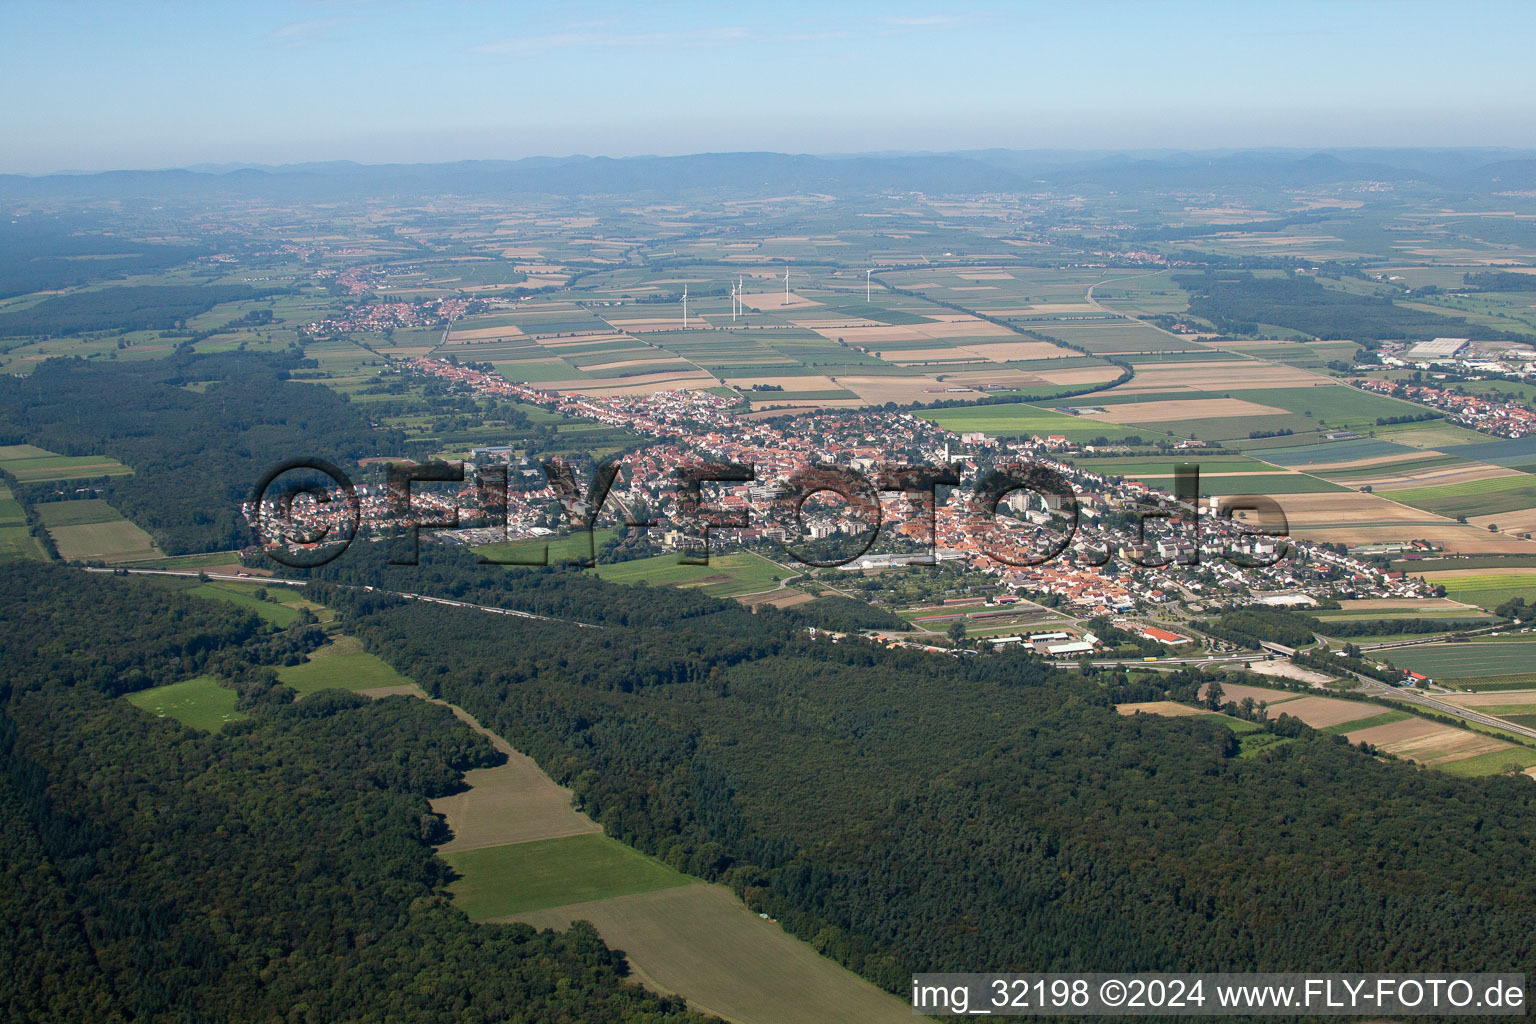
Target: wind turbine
{"x":866,"y":284}
{"x":685,"y":307}
{"x":786,"y":284}
{"x":733,"y":303}
{"x":741,"y":284}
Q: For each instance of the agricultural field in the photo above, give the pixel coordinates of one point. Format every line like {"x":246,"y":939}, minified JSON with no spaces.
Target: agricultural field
{"x":341,"y":664}
{"x":1025,"y":420}
{"x":16,"y":540}
{"x":730,"y":575}
{"x":1400,"y":608}
{"x":1394,"y":731}
{"x":569,"y":547}
{"x":1486,"y":496}
{"x":1485,"y":588}
{"x":32,"y":465}
{"x":1330,"y":453}
{"x":201,"y":703}
{"x":1355,"y":518}
{"x":116,"y":541}
{"x":699,"y":941}
{"x":282,"y":608}
{"x":1464,"y":665}
{"x":77,"y":513}
{"x":513,"y":802}
{"x":499,"y":881}
{"x":92,"y":530}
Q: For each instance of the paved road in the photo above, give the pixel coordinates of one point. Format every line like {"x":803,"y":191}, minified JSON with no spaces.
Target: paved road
{"x":1428,"y":701}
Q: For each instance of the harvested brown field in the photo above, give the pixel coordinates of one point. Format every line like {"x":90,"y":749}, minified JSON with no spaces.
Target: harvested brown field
{"x":1185,"y":409}
{"x":1519,"y":521}
{"x":1223,"y":375}
{"x":644,"y":384}
{"x":1498,"y":698}
{"x":1002,"y":351}
{"x":777,"y":598}
{"x":481,"y":333}
{"x":1408,"y":729}
{"x":1166,"y":708}
{"x":1321,"y":712}
{"x":879,"y":390}
{"x":1237,"y":691}
{"x":1352,"y":517}
{"x":1428,"y":743}
{"x":1387,"y":604}
{"x":399,"y":690}
{"x":1079,"y":375}
{"x":512,"y":803}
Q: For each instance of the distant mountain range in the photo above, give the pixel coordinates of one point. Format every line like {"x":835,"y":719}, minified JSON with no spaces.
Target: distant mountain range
{"x":1470,"y":170}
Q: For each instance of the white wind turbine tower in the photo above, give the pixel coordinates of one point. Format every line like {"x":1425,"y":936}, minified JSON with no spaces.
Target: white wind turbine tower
{"x":733,"y":303}
{"x":786,"y":284}
{"x":866,"y":284}
{"x":741,"y":283}
{"x":685,"y":307}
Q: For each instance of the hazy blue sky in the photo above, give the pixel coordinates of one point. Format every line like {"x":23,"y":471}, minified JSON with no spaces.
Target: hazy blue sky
{"x":91,"y":85}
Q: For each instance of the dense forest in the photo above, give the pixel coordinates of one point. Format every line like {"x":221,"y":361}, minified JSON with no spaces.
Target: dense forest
{"x":195,"y":453}
{"x":157,"y":307}
{"x":45,"y":252}
{"x":573,"y":594}
{"x":1501,"y":281}
{"x":1238,"y":303}
{"x":903,"y":811}
{"x":277,"y":871}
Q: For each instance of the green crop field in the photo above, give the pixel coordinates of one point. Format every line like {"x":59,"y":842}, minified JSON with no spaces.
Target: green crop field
{"x":570,"y":547}
{"x":725,"y":576}
{"x":1488,"y":590}
{"x":1499,"y":762}
{"x":117,"y":541}
{"x":341,"y":665}
{"x":273,"y":611}
{"x":499,"y":880}
{"x":1468,"y":660}
{"x":1473,"y":497}
{"x":77,"y":513}
{"x":17,"y":543}
{"x":200,"y":703}
{"x":202,"y":561}
{"x":50,"y":468}
{"x":1334,"y":404}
